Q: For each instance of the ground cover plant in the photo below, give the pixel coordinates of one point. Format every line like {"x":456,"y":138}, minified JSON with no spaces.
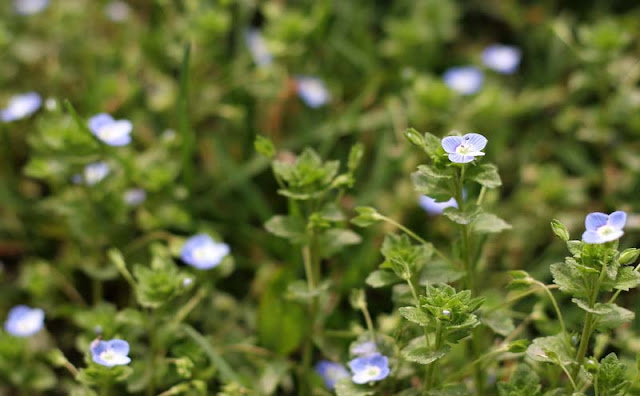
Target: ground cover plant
{"x":239,"y":197}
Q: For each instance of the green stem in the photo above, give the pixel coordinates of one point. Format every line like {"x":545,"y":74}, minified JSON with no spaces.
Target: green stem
{"x":151,"y":358}
{"x":415,"y":297}
{"x":367,"y":319}
{"x":307,"y":353}
{"x":555,"y":305}
{"x":432,"y":366}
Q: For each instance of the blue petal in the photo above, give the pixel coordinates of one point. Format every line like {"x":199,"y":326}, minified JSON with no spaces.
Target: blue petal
{"x":476,"y":141}
{"x":460,"y":159}
{"x":595,"y":220}
{"x":618,"y":219}
{"x":502,"y":58}
{"x":592,"y":237}
{"x":465,"y":80}
{"x":98,"y":121}
{"x":97,"y":348}
{"x":450,"y":143}
{"x":358,"y":364}
{"x":121,"y":347}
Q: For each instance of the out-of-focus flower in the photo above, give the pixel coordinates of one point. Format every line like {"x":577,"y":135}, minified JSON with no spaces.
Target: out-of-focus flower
{"x":29,"y":7}
{"x":110,"y":131}
{"x":134,"y":196}
{"x":21,"y":106}
{"x":466,"y":80}
{"x":603,"y":228}
{"x":110,"y":353}
{"x":117,"y":11}
{"x":502,"y":58}
{"x":258,"y":47}
{"x":369,"y":368}
{"x":434,"y":208}
{"x":331,"y":372}
{"x":24,"y":321}
{"x":364,"y":348}
{"x":312,"y":91}
{"x":95,"y":172}
{"x":202,"y":252}
{"x":463,"y":149}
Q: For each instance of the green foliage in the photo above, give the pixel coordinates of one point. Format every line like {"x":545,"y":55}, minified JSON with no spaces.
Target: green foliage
{"x":611,"y":378}
{"x":523,"y":382}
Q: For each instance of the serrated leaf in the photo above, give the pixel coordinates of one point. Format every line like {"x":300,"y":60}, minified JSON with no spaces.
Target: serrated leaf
{"x":287,"y":227}
{"x":523,"y":382}
{"x":569,"y":278}
{"x":488,"y":223}
{"x":415,"y":315}
{"x":550,"y":349}
{"x":615,"y":317}
{"x":627,"y":279}
{"x":597,"y":309}
{"x":486,"y":175}
{"x":424,"y":355}
{"x":346,"y":387}
{"x":431,"y":172}
{"x":611,"y":377}
{"x":439,"y":271}
{"x":334,"y":240}
{"x":500,"y":322}
{"x":381,"y":278}
{"x":460,"y":217}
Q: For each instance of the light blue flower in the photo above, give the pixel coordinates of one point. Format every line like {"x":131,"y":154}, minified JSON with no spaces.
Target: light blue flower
{"x":117,"y":11}
{"x":331,"y":372}
{"x":134,"y":196}
{"x":312,"y":91}
{"x":24,"y":321}
{"x":110,"y":131}
{"x":434,"y":208}
{"x":29,"y":7}
{"x":463,"y":149}
{"x":465,"y":80}
{"x":502,"y":58}
{"x":369,"y":368}
{"x":110,"y":353}
{"x":21,"y":106}
{"x":258,"y":47}
{"x":603,"y":228}
{"x":202,"y":252}
{"x":95,"y":172}
{"x":364,"y":348}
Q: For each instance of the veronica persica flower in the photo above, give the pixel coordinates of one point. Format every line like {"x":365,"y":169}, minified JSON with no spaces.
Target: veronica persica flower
{"x":202,"y":252}
{"x":134,"y":196}
{"x":465,"y":80}
{"x":29,"y":7}
{"x":95,"y":172}
{"x":110,"y":131}
{"x":603,"y":228}
{"x":433,"y":207}
{"x":369,"y":368}
{"x":331,"y":372}
{"x":110,"y":353}
{"x":312,"y":91}
{"x":364,"y":348}
{"x":24,"y":321}
{"x":258,"y":47}
{"x":463,"y":149}
{"x":21,"y":106}
{"x":502,"y":58}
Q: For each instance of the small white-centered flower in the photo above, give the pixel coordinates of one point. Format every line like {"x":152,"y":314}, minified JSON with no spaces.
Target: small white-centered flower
{"x":258,"y":47}
{"x":29,"y":7}
{"x":331,"y":372}
{"x":110,"y":353}
{"x":312,"y":91}
{"x":24,"y":321}
{"x":110,"y":131}
{"x":202,"y":252}
{"x":369,"y":368}
{"x":433,"y":207}
{"x":364,"y":348}
{"x":95,"y":172}
{"x":504,"y":59}
{"x":463,"y":149}
{"x":21,"y":106}
{"x":603,"y":228}
{"x":465,"y":80}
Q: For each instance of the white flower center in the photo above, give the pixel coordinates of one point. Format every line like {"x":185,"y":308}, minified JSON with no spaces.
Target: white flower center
{"x":204,"y":252}
{"x":606,"y":230}
{"x":464,"y":149}
{"x":372,"y":371}
{"x":108,"y":355}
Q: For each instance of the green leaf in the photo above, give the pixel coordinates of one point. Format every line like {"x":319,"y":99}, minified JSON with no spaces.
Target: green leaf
{"x":291,"y":228}
{"x":560,"y":230}
{"x":450,"y":390}
{"x":381,"y":278}
{"x":611,"y":377}
{"x":627,"y":279}
{"x":346,"y":387}
{"x":569,"y":278}
{"x":629,"y":256}
{"x":487,"y":223}
{"x":355,"y":157}
{"x":336,"y":239}
{"x":615,"y":317}
{"x":414,"y":137}
{"x":424,"y":355}
{"x":552,"y":349}
{"x":460,"y":217}
{"x":366,"y":216}
{"x":431,"y":172}
{"x":264,"y":146}
{"x":298,"y":290}
{"x":440,"y":271}
{"x":432,"y":144}
{"x":415,"y":315}
{"x":523,"y":382}
{"x":597,"y":309}
{"x":500,"y":322}
{"x":159,"y":284}
{"x":486,"y":175}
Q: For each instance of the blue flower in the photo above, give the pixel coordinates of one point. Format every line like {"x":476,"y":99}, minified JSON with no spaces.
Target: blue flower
{"x":364,"y":348}
{"x":95,"y":172}
{"x":202,"y":252}
{"x":258,"y":47}
{"x":24,"y":321}
{"x":21,"y":106}
{"x":110,"y":131}
{"x":117,"y":11}
{"x":331,"y":372}
{"x":463,"y":149}
{"x":433,"y":207}
{"x":110,"y":353}
{"x":502,"y":58}
{"x":465,"y":80}
{"x":603,"y":228}
{"x":29,"y":7}
{"x":312,"y":91}
{"x":369,"y":368}
{"x":134,"y":196}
